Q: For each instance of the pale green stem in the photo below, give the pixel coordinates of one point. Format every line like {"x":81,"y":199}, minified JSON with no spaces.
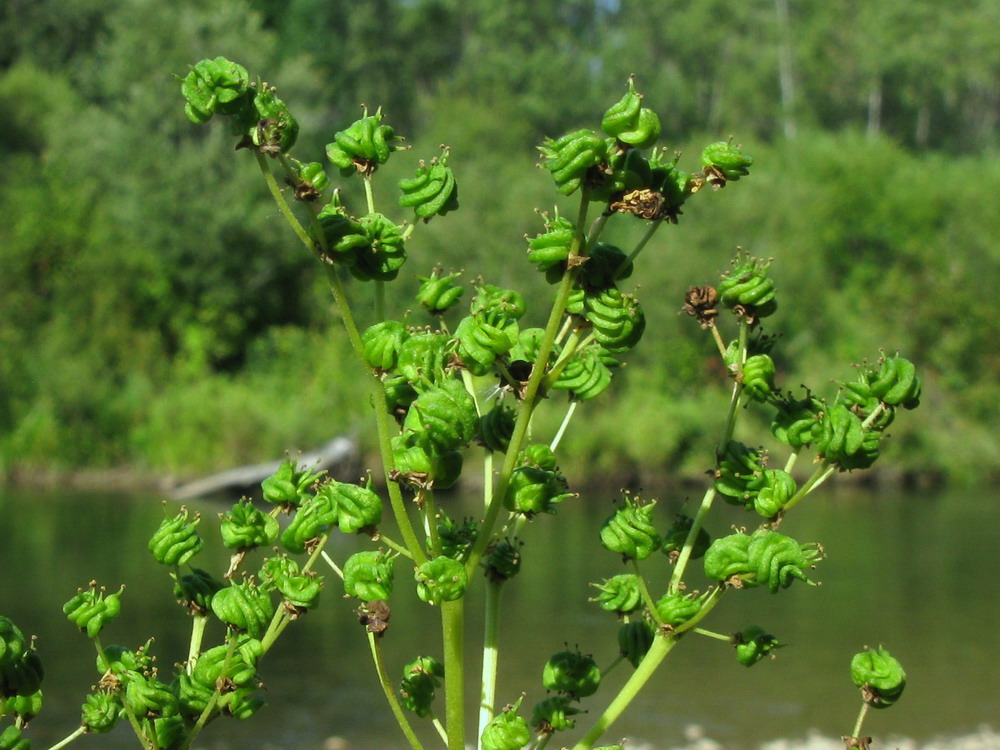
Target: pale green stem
{"x":644,"y":590}
{"x":653,"y":226}
{"x":62,"y":743}
{"x":369,"y":195}
{"x":129,"y":713}
{"x":491,"y":649}
{"x":712,"y":634}
{"x":562,"y":427}
{"x":392,"y":544}
{"x":431,"y":518}
{"x":487,"y":477}
{"x":390,"y":693}
{"x":618,"y":660}
{"x":442,"y":732}
{"x":790,"y":463}
{"x":332,"y":564}
{"x":861,"y":720}
{"x":717,"y":337}
{"x":198,"y":624}
{"x":453,"y":631}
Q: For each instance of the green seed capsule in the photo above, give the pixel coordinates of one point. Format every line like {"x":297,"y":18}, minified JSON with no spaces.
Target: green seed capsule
{"x":629,"y":530}
{"x":195,"y":590}
{"x":246,"y":527}
{"x":312,"y":519}
{"x":245,"y":607}
{"x":176,"y":540}
{"x":723,"y":161}
{"x":503,"y":561}
{"x":757,"y":376}
{"x":438,"y":293}
{"x":676,"y":536}
{"x":506,"y":731}
{"x":553,"y":714}
{"x":753,"y":644}
{"x":441,"y":580}
{"x":100,"y":712}
{"x":676,"y":609}
{"x":879,"y":675}
{"x":433,"y":191}
{"x":570,"y":158}
{"x":421,"y":678}
{"x":90,"y":610}
{"x":620,"y":594}
{"x":634,"y":640}
{"x":368,"y":576}
{"x":11,"y":739}
{"x":572,"y":673}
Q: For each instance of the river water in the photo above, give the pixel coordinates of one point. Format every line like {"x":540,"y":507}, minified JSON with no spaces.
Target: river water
{"x":915,"y":572}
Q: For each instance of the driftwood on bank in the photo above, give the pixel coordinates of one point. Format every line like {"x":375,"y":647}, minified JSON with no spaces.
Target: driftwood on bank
{"x":341,"y":452}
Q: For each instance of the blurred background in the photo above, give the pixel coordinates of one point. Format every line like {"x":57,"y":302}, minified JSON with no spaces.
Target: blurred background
{"x":158,"y":321}
{"x":156,"y":315}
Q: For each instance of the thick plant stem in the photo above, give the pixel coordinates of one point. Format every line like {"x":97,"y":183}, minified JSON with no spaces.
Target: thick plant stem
{"x":198,"y":623}
{"x":656,"y":654}
{"x":390,"y":693}
{"x":491,"y":650}
{"x":453,"y":631}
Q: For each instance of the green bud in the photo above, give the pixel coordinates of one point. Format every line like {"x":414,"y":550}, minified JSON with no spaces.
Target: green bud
{"x":757,"y":377}
{"x":629,"y":530}
{"x":496,"y":428}
{"x":532,"y":491}
{"x":433,"y":191}
{"x":100,"y":712}
{"x":381,"y":344}
{"x":90,"y":610}
{"x":147,"y":696}
{"x":246,"y":527}
{"x":570,"y":157}
{"x":445,"y":415}
{"x":245,"y":607}
{"x":797,"y":421}
{"x":617,"y":319}
{"x":753,"y":644}
{"x":676,"y":609}
{"x":421,"y":678}
{"x":879,"y":675}
{"x":456,"y":538}
{"x":312,"y":520}
{"x":895,"y":382}
{"x":213,"y":86}
{"x":300,"y":590}
{"x":424,"y":358}
{"x":506,"y":731}
{"x":290,"y":485}
{"x":773,"y":491}
{"x":631,"y":123}
{"x":586,"y":375}
{"x":276,"y":130}
{"x":552,"y":714}
{"x":620,"y":594}
{"x":438,"y":293}
{"x":195,"y":590}
{"x":368,"y":575}
{"x":748,"y":287}
{"x":169,"y":731}
{"x":572,"y":673}
{"x":176,"y":540}
{"x":502,"y":561}
{"x":723,"y":161}
{"x":441,"y":580}
{"x":365,"y":145}
{"x":550,"y":250}
{"x":310,"y":180}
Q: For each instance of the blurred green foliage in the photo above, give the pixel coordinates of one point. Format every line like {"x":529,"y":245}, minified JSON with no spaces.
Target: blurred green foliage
{"x":142,"y":323}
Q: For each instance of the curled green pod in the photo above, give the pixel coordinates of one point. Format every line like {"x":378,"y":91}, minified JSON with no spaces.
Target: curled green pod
{"x":312,"y":519}
{"x":502,"y":561}
{"x":496,"y":428}
{"x":176,"y":540}
{"x":213,"y":86}
{"x":246,"y":527}
{"x":424,"y":358}
{"x":365,"y":145}
{"x":570,"y":157}
{"x":241,"y":704}
{"x":439,"y":293}
{"x":797,"y":422}
{"x":244,"y":606}
{"x":586,"y":375}
{"x":550,"y":250}
{"x":629,"y":531}
{"x":634,"y":640}
{"x":620,"y":594}
{"x":169,"y":731}
{"x":749,"y":287}
{"x":241,"y":669}
{"x":677,"y":534}
{"x":776,"y":560}
{"x":879,"y":675}
{"x":418,"y":464}
{"x":441,"y":579}
{"x":723,"y":162}
{"x":553,"y":714}
{"x":445,"y":415}
{"x":11,"y":739}
{"x":117,"y":659}
{"x":195,"y":590}
{"x":494,"y":301}
{"x":91,"y":610}
{"x":506,"y":730}
{"x":727,"y":558}
{"x":12,"y":641}
{"x":617,"y":319}
{"x":631,"y":123}
{"x":752,"y":644}
{"x":148,"y":697}
{"x":310,"y":180}
{"x":381,"y":344}
{"x":433,"y":191}
{"x":300,"y":590}
{"x":739,"y":472}
{"x":676,"y":609}
{"x":421,"y":678}
{"x":757,"y":377}
{"x":384,"y":252}
{"x":368,"y":575}
{"x":540,"y":456}
{"x":358,"y":508}
{"x":532,"y":490}
{"x":25,"y":707}
{"x":773,"y":491}
{"x":857,"y":396}
{"x":479,"y":343}
{"x":842,"y":439}
{"x":100,"y":712}
{"x":895,"y":382}
{"x":290,"y":485}
{"x":573,"y":673}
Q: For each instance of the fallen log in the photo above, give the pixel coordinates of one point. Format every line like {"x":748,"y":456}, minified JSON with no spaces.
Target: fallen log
{"x":337,"y":453}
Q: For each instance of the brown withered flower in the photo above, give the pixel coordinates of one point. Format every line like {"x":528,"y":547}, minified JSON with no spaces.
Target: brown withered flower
{"x":699,"y":303}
